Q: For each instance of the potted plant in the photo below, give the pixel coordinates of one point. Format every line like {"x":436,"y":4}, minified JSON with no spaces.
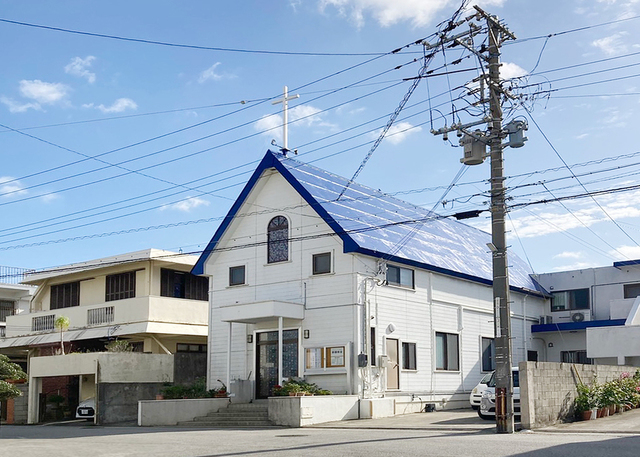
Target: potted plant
{"x":584,"y":402}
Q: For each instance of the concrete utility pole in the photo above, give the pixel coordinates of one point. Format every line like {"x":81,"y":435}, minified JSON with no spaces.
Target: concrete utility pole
{"x":502,"y":301}
{"x":285,"y":114}
{"x":474,"y":154}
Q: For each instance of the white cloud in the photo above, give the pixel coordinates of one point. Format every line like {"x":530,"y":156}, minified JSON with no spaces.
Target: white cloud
{"x":15,"y":107}
{"x":510,"y":70}
{"x":302,"y":115}
{"x":186,"y":205}
{"x":387,"y":13}
{"x":397,"y":132}
{"x":568,"y":255}
{"x":50,"y":197}
{"x":9,"y":185}
{"x":582,"y":136}
{"x":43,"y":92}
{"x":120,"y":105}
{"x":631,"y":252}
{"x":575,"y":266}
{"x":79,"y":67}
{"x":210,"y":74}
{"x":612,"y":45}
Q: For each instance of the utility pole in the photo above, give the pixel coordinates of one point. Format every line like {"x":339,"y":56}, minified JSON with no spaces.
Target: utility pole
{"x":501,"y":296}
{"x":475,"y":145}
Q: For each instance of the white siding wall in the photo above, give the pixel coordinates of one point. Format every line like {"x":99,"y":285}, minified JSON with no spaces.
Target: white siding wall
{"x":334,"y":303}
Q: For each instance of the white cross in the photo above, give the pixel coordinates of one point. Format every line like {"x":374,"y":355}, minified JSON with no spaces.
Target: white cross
{"x":285,"y":114}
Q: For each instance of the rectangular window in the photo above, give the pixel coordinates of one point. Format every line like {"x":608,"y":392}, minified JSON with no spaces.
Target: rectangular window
{"x":575,"y":357}
{"x":488,"y":354}
{"x":322,"y":263}
{"x":236,"y":275}
{"x":570,"y":299}
{"x":373,"y":346}
{"x":121,"y":286}
{"x":631,"y":290}
{"x":6,"y":310}
{"x":447,"y":351}
{"x":180,"y":284}
{"x":409,"y":356}
{"x":325,"y":357}
{"x":184,"y":347}
{"x":65,"y":295}
{"x":399,"y":276}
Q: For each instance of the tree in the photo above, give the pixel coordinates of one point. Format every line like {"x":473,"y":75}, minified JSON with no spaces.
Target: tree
{"x":9,"y":371}
{"x":62,"y":323}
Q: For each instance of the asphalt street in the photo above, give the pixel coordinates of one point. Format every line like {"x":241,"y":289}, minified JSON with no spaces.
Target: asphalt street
{"x":458,"y":434}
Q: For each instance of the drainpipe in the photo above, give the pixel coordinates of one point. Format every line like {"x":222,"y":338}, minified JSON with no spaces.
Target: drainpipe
{"x":229,"y":357}
{"x":432,"y":335}
{"x":524,"y":327}
{"x":280,"y":347}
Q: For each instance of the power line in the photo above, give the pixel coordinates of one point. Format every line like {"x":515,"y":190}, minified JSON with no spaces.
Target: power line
{"x":189,"y":46}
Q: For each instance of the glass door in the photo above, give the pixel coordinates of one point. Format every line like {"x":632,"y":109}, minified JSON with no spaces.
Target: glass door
{"x":267,"y":359}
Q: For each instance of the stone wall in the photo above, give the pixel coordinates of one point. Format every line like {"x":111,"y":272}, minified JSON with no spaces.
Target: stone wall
{"x":118,"y":402}
{"x":548,"y":389}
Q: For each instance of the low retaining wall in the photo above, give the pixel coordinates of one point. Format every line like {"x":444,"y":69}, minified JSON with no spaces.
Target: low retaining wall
{"x":170,"y":412}
{"x":548,"y":390}
{"x":304,"y":411}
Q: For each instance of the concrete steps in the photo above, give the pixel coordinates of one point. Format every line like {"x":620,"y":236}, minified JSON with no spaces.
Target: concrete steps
{"x":235,"y":415}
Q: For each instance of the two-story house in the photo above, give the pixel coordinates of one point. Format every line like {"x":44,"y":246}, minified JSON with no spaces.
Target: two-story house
{"x":148,"y":298}
{"x":316,"y":276}
{"x":593,"y":316}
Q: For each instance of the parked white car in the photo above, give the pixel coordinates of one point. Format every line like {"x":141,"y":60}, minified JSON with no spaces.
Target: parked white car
{"x":86,"y":409}
{"x":488,"y":403}
{"x":476,"y":393}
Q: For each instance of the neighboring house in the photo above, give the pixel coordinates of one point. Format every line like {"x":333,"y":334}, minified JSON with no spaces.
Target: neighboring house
{"x":358,"y":292}
{"x":593,"y":316}
{"x":148,"y":298}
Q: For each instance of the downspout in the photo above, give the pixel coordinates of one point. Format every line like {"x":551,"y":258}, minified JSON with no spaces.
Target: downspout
{"x":432,"y":335}
{"x":524,"y":327}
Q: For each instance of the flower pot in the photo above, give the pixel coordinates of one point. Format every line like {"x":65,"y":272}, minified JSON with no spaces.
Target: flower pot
{"x":600,"y":413}
{"x":159,"y":397}
{"x":612,"y":410}
{"x":594,"y":414}
{"x":605,"y":411}
{"x":292,"y":394}
{"x":586,"y":415}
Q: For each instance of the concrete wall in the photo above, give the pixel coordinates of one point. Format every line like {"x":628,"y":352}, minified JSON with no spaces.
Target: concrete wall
{"x":547,"y":390}
{"x":305,"y":411}
{"x":170,"y":412}
{"x":118,"y":402}
{"x":17,"y":407}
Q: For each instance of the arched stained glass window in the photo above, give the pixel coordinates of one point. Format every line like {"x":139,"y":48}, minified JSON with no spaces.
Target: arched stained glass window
{"x":278,"y":240}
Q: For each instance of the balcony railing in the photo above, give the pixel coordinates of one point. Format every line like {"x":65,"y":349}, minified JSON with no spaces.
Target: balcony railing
{"x":13,"y":275}
{"x":99,"y":316}
{"x":43,"y":323}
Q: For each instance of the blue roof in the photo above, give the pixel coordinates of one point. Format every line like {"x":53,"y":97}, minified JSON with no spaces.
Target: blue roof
{"x":373,"y":223}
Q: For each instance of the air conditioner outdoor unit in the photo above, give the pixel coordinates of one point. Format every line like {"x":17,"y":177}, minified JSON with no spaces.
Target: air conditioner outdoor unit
{"x":548,"y":319}
{"x":580,"y":317}
{"x":541,"y":320}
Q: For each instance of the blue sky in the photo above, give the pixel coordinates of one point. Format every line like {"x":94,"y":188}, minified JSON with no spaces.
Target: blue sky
{"x":111,"y":146}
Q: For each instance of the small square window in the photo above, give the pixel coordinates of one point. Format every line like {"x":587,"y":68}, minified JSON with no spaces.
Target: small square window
{"x":236,"y":275}
{"x":322,"y":263}
{"x":399,"y":276}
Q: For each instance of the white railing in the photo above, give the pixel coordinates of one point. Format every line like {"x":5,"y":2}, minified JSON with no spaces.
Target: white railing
{"x":99,"y":316}
{"x":42,"y":323}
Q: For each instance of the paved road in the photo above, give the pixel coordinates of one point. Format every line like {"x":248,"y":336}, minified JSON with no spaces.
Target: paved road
{"x":413,"y":435}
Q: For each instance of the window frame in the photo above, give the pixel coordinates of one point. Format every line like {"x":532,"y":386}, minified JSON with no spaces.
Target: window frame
{"x":409,"y":355}
{"x":276,"y":227}
{"x":570,"y":300}
{"x":575,"y":356}
{"x":447,"y":356}
{"x":399,"y":282}
{"x":189,"y":349}
{"x":492,"y":356}
{"x":129,"y":277}
{"x":7,"y":308}
{"x":192,"y":287}
{"x":626,"y":290}
{"x":244,"y":275}
{"x":64,"y":295}
{"x":314,"y":270}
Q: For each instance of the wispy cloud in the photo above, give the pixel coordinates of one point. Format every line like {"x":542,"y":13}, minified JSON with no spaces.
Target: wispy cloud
{"x":79,"y":67}
{"x":16,"y":107}
{"x":47,"y":198}
{"x":302,"y":115}
{"x":210,"y":74}
{"x":43,"y":92}
{"x":120,"y":105}
{"x":10,"y":186}
{"x":186,"y":205}
{"x":612,"y":44}
{"x":397,"y":132}
{"x":632,"y":252}
{"x":568,"y":255}
{"x":418,"y":12}
{"x":510,"y":70}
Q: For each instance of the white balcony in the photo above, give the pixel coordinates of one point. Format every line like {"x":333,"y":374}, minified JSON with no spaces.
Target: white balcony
{"x":149,"y":314}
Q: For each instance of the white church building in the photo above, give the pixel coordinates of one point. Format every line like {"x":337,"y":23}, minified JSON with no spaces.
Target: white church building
{"x":354,"y":290}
